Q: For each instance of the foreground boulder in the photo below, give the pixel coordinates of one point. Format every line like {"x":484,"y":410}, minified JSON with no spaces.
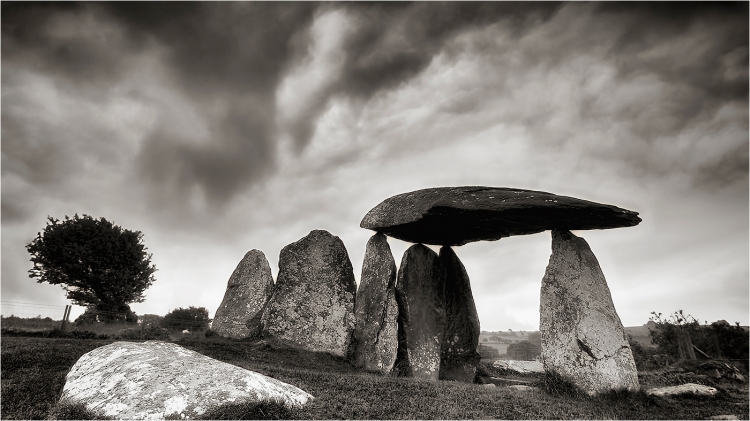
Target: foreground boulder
{"x":313,"y":303}
{"x":460,"y":215}
{"x":582,"y":336}
{"x":128,"y":380}
{"x":459,"y":356}
{"x":376,"y":310}
{"x":248,"y":290}
{"x":421,"y":318}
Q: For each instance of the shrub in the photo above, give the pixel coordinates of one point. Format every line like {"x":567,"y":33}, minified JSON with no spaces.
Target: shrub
{"x":192,"y":318}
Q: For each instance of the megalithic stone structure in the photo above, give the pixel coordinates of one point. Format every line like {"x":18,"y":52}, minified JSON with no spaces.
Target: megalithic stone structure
{"x":313,"y":303}
{"x":459,"y":356}
{"x":582,"y":337}
{"x":421,"y":319}
{"x":248,"y":291}
{"x":376,"y":310}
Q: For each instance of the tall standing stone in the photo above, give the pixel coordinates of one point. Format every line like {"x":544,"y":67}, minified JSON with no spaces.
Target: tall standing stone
{"x":459,"y":357}
{"x":248,"y":290}
{"x":421,"y":319}
{"x":313,"y":303}
{"x":582,"y":337}
{"x":376,"y":310}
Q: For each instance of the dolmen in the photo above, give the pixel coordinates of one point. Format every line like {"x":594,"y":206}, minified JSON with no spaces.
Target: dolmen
{"x":158,"y":380}
{"x":583,"y":338}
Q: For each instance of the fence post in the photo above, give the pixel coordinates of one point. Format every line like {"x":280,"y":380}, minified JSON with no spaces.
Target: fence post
{"x":65,"y":317}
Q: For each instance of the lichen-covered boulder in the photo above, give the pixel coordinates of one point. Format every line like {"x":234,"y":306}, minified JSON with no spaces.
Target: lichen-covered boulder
{"x":376,"y":310}
{"x":248,"y":290}
{"x":459,"y":357}
{"x":421,"y":318}
{"x":313,"y":302}
{"x":582,"y":336}
{"x":153,"y":380}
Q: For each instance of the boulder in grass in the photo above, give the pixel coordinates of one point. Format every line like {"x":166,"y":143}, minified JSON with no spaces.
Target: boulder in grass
{"x":683,"y":389}
{"x":248,"y":290}
{"x":522,"y":367}
{"x":129,"y":380}
{"x":313,"y":302}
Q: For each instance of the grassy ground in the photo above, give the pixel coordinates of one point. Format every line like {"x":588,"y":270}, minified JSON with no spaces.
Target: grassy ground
{"x":33,"y":374}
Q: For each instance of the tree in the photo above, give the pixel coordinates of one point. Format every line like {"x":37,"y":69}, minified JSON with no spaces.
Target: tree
{"x":193,"y":318}
{"x":100,"y":265}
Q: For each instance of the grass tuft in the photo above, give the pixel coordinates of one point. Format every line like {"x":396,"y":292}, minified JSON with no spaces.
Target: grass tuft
{"x":262,"y":410}
{"x":74,"y":411}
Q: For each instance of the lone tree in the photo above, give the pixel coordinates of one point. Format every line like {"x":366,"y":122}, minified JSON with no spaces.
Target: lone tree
{"x":101,"y":266}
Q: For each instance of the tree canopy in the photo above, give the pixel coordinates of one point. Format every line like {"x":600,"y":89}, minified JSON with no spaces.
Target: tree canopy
{"x":100,"y":265}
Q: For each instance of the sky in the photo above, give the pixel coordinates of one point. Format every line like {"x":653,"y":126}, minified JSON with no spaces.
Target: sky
{"x":216,"y":128}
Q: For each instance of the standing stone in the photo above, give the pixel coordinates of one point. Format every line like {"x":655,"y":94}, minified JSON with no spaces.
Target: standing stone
{"x":582,"y":337}
{"x":248,"y":290}
{"x":459,"y":357}
{"x":313,"y":304}
{"x":376,"y":310}
{"x":421,"y":313}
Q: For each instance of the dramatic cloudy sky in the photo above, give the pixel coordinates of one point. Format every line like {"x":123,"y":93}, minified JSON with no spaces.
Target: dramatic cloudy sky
{"x":217,"y":128}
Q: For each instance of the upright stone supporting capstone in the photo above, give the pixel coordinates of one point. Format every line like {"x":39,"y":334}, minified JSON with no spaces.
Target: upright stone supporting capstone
{"x":459,"y":358}
{"x":313,"y":303}
{"x":421,"y":319}
{"x":582,"y":337}
{"x":248,"y":290}
{"x":376,"y":310}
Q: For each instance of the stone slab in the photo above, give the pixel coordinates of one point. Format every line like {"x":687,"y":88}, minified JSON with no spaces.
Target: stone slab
{"x":460,"y":215}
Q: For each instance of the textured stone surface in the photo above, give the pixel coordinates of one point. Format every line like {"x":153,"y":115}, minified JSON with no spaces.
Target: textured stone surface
{"x":688,"y":388}
{"x":421,"y":319}
{"x":582,"y":336}
{"x":522,"y":367}
{"x":376,"y":310}
{"x":313,"y":303}
{"x":459,"y":356}
{"x":151,"y":380}
{"x":459,"y":215}
{"x":248,"y":290}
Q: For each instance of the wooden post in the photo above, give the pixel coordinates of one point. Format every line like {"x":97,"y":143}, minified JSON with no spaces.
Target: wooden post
{"x":65,"y":317}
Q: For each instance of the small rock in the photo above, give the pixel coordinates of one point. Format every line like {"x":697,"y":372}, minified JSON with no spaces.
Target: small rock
{"x":489,"y":385}
{"x":153,"y":379}
{"x":688,"y":388}
{"x":723,"y":417}
{"x":714,"y":373}
{"x":523,"y":367}
{"x":524,"y":388}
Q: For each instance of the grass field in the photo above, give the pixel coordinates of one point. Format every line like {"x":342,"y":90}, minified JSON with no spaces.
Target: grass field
{"x":34,"y":369}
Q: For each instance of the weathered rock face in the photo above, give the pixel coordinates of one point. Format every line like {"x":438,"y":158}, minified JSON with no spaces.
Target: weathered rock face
{"x":460,"y":215}
{"x":376,"y":310}
{"x":129,"y":380}
{"x":582,"y":336}
{"x":248,"y":290}
{"x":459,"y":358}
{"x":421,"y":319}
{"x":313,"y":303}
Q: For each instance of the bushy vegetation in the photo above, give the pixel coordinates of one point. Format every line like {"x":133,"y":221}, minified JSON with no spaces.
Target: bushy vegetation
{"x":718,"y":339}
{"x":192,"y":318}
{"x":34,"y":371}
